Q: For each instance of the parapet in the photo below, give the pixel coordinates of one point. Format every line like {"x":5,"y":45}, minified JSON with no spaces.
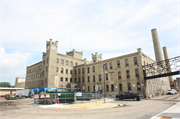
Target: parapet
{"x":75,"y":54}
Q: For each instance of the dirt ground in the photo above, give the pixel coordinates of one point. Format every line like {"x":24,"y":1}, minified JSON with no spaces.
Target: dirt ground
{"x":144,"y":109}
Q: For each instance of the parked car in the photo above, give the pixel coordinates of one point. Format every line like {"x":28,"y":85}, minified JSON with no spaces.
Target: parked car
{"x":171,"y":91}
{"x":129,"y":95}
{"x":175,"y":91}
{"x":2,"y":96}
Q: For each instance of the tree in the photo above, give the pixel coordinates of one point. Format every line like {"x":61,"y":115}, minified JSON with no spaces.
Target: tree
{"x":5,"y":84}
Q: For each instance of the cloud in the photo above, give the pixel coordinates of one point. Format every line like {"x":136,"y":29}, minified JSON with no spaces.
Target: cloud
{"x":13,"y":65}
{"x":109,"y":28}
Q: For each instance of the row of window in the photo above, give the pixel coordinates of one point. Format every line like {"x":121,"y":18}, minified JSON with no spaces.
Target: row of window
{"x":119,"y":65}
{"x":34,"y":69}
{"x":119,"y":75}
{"x":106,"y":66}
{"x":106,"y":76}
{"x":62,"y":70}
{"x":62,"y":62}
{"x":120,"y":87}
{"x":37,"y":75}
{"x":40,"y":82}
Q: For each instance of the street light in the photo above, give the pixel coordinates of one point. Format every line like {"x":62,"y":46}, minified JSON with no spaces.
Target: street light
{"x":105,"y":99}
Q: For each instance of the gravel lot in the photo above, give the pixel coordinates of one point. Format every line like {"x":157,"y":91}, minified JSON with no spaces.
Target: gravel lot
{"x":144,"y":109}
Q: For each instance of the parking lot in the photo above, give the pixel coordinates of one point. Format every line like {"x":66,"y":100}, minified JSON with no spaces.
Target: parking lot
{"x":143,"y":109}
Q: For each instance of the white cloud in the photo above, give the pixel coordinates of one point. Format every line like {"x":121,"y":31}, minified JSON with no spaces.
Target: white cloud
{"x":13,"y":65}
{"x":109,"y":28}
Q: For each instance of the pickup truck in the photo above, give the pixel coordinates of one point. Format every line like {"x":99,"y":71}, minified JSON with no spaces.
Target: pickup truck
{"x":129,"y":95}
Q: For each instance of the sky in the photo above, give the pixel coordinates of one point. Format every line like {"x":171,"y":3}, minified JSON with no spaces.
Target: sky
{"x":111,"y":28}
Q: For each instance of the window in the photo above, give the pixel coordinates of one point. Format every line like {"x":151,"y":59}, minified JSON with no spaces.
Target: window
{"x":83,"y":70}
{"x":137,"y":72}
{"x":120,"y":87}
{"x":82,"y":79}
{"x":88,"y":88}
{"x":46,"y":69}
{"x":111,"y":66}
{"x":57,"y":60}
{"x":119,"y":75}
{"x":71,"y":63}
{"x":47,"y":59}
{"x":138,"y":86}
{"x":79,"y":71}
{"x":75,"y":72}
{"x":127,"y":74}
{"x":62,"y":79}
{"x":79,"y":80}
{"x":75,"y":80}
{"x":93,"y":68}
{"x":112,"y":88}
{"x":67,"y":63}
{"x":94,"y":88}
{"x":107,"y":88}
{"x":62,"y":61}
{"x":106,"y":66}
{"x":99,"y":77}
{"x":66,"y":79}
{"x":129,"y":86}
{"x":106,"y":76}
{"x":88,"y":70}
{"x":126,"y":61}
{"x":62,"y":70}
{"x":118,"y":64}
{"x":88,"y":79}
{"x":57,"y":69}
{"x":94,"y":78}
{"x":44,"y":62}
{"x":70,"y":79}
{"x":66,"y":71}
{"x":71,"y":71}
{"x":76,"y":63}
{"x":94,"y":60}
{"x":135,"y":60}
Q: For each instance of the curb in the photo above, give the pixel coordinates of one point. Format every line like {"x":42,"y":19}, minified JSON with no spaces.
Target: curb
{"x":121,"y":105}
{"x":165,"y":111}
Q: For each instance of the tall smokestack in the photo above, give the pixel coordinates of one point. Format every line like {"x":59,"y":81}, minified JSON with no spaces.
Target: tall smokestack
{"x":157,"y":46}
{"x":167,"y":63}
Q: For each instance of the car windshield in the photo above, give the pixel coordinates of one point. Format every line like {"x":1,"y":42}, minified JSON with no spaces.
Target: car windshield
{"x":169,"y":90}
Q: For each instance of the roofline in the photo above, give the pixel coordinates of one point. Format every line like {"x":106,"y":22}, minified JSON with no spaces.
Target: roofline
{"x":34,"y":64}
{"x":10,"y":88}
{"x":109,"y":59}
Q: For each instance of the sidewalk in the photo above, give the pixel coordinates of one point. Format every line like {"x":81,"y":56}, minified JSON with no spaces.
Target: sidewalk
{"x":171,"y":113}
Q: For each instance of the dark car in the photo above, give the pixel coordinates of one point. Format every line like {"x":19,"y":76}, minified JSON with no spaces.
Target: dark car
{"x":129,"y":95}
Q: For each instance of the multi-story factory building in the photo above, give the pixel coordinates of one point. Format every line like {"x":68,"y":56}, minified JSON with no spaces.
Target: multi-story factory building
{"x":122,"y":73}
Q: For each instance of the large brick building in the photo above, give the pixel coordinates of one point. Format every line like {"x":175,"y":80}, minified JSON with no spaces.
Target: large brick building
{"x":122,"y":73}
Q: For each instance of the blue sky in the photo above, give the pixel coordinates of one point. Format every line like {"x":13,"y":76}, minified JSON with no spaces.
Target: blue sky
{"x":111,"y":28}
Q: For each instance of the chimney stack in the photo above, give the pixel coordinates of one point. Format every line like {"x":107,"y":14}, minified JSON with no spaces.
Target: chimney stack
{"x":167,"y":63}
{"x":157,"y":46}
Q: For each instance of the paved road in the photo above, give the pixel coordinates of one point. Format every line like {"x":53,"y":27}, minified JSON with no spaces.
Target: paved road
{"x":147,"y":108}
{"x":143,"y":109}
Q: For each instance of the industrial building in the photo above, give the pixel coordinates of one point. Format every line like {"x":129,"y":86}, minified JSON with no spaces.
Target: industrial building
{"x":118,"y":74}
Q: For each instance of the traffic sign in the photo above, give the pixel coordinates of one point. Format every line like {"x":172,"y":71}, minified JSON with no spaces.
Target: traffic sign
{"x":96,"y":87}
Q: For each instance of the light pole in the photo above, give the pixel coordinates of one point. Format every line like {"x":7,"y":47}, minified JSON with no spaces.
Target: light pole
{"x":105,"y":99}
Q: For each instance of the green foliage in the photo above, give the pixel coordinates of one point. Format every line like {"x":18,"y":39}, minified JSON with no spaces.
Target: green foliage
{"x":5,"y":84}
